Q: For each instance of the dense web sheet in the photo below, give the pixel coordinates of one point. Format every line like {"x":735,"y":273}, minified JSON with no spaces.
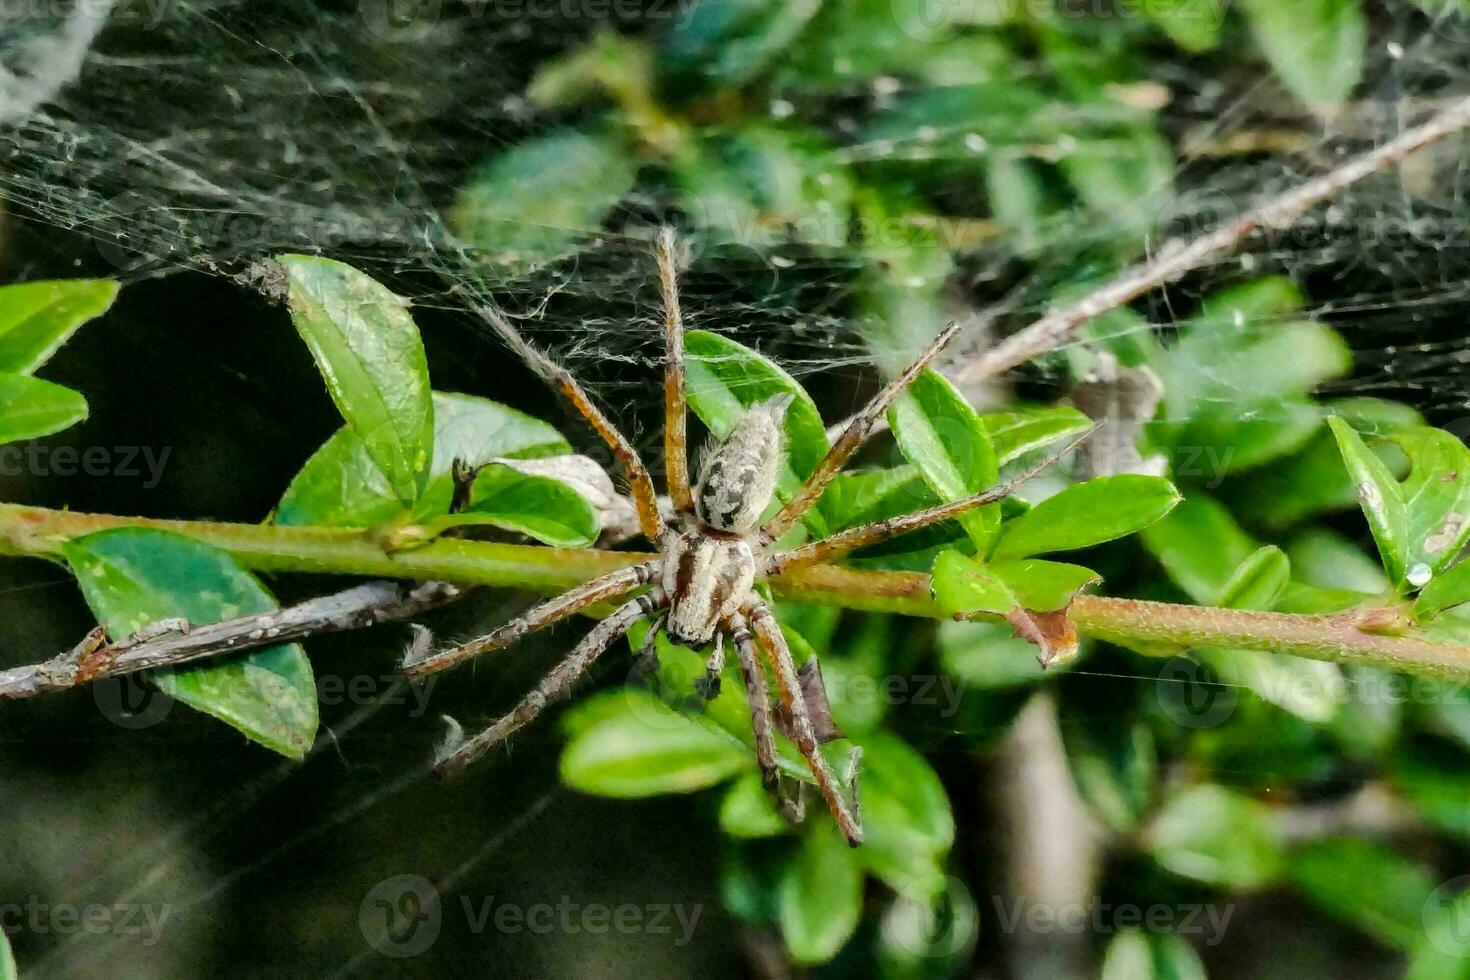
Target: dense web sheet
{"x":204,"y":136}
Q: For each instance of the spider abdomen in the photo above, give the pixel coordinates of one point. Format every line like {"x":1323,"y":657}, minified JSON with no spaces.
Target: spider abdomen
{"x":706,"y":579}
{"x":738,"y":476}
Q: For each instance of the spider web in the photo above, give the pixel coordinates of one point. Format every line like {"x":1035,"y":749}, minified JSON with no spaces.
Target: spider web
{"x":205,"y":135}
{"x":189,"y":135}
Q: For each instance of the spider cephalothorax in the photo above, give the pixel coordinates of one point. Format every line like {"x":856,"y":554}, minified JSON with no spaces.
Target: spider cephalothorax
{"x":702,"y":587}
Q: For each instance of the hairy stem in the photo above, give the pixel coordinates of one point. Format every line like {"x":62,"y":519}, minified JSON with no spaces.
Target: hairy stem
{"x":39,"y":532}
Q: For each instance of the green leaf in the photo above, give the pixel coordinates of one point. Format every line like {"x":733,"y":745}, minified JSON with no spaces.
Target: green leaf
{"x":1436,"y":496}
{"x":731,"y":43}
{"x":548,"y":510}
{"x":536,"y":200}
{"x":865,"y":496}
{"x":133,"y":577}
{"x":820,"y":895}
{"x":370,"y":353}
{"x":341,"y":487}
{"x":1200,"y":546}
{"x":31,"y":408}
{"x":1127,"y":176}
{"x":963,"y":585}
{"x":747,"y":810}
{"x":988,"y":655}
{"x":1315,"y":46}
{"x":906,"y":813}
{"x":643,"y":748}
{"x":1435,"y":783}
{"x":724,"y":379}
{"x":1443,"y":950}
{"x":36,"y":318}
{"x":1414,"y":522}
{"x":923,"y":935}
{"x":1014,"y":434}
{"x":1367,"y":885}
{"x":766,"y":181}
{"x":1088,"y":513}
{"x":1213,"y":835}
{"x":1115,"y":768}
{"x":1258,"y":581}
{"x":941,"y":435}
{"x":1192,"y":25}
{"x":1137,"y":955}
{"x":1327,"y":560}
{"x":8,"y":970}
{"x":1447,"y":589}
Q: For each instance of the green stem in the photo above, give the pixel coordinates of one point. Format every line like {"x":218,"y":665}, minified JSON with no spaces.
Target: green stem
{"x":39,"y":532}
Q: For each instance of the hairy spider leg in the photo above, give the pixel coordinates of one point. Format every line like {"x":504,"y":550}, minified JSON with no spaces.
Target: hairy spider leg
{"x":853,"y":436}
{"x":843,"y":542}
{"x":758,"y":695}
{"x":601,"y":589}
{"x":556,"y":684}
{"x":676,"y":451}
{"x":645,"y":498}
{"x":768,"y":634}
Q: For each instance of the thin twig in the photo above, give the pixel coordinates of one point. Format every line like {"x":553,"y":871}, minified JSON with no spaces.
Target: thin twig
{"x":1349,"y":638}
{"x":1180,"y":256}
{"x":355,"y":608}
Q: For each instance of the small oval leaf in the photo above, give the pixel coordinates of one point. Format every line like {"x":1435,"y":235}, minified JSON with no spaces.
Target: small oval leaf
{"x":132,"y":577}
{"x":340,"y":486}
{"x":370,"y":354}
{"x":540,"y":507}
{"x":36,"y":318}
{"x":944,"y":438}
{"x":643,"y":748}
{"x":1086,"y":514}
{"x":820,"y":896}
{"x":31,"y":408}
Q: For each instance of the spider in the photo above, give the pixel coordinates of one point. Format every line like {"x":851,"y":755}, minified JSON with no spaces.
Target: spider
{"x":712,"y":554}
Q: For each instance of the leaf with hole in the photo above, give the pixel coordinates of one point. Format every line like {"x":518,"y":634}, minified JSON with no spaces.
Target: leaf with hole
{"x":36,"y":318}
{"x":369,"y":352}
{"x":133,"y":577}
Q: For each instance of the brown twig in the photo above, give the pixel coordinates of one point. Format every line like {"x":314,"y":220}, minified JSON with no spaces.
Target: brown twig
{"x":1180,"y":256}
{"x":355,"y":608}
